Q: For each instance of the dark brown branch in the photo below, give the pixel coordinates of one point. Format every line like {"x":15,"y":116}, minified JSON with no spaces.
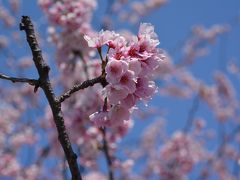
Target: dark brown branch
{"x":44,"y":83}
{"x":43,"y":154}
{"x":32,"y":82}
{"x":85,"y":84}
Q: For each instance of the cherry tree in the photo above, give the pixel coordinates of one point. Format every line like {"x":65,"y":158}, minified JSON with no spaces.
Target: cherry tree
{"x":81,"y":90}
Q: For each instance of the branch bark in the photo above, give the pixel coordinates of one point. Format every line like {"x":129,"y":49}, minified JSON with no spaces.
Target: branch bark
{"x":192,"y":113}
{"x":101,"y":79}
{"x":32,"y":82}
{"x":45,"y":84}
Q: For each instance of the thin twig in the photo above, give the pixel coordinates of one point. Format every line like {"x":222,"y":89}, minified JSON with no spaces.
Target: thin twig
{"x":105,"y":147}
{"x":219,"y":151}
{"x":44,"y":83}
{"x":107,"y":155}
{"x":43,"y":154}
{"x":83,"y":85}
{"x":192,"y":113}
{"x":85,"y":67}
{"x":32,"y":82}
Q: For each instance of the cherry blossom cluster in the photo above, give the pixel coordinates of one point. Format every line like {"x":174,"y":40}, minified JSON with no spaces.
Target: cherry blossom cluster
{"x":234,"y":68}
{"x":221,"y":97}
{"x":70,"y":44}
{"x":6,"y":17}
{"x":9,"y":165}
{"x":130,"y":64}
{"x":179,"y":155}
{"x":132,"y":11}
{"x":72,"y":57}
{"x":15,"y":5}
{"x":141,"y":8}
{"x":14,"y":132}
{"x":73,"y":14}
{"x":74,"y":19}
{"x":197,"y":45}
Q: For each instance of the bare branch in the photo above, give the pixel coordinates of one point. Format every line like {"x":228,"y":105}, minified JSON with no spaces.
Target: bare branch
{"x":83,"y":85}
{"x":105,"y":149}
{"x":44,"y":83}
{"x":191,"y":114}
{"x":32,"y":82}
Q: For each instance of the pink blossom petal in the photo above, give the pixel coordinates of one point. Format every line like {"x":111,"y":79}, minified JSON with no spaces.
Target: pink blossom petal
{"x":115,"y":69}
{"x":118,"y":114}
{"x":115,"y":94}
{"x":99,"y":118}
{"x":127,"y":82}
{"x":129,"y":101}
{"x":145,"y":88}
{"x":135,"y":66}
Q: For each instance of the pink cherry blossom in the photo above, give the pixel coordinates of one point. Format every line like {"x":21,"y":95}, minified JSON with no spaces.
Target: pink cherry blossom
{"x":135,"y":66}
{"x":145,"y":88}
{"x":118,"y":114}
{"x":129,"y":101}
{"x":147,"y":37}
{"x":6,"y":17}
{"x":128,"y":82}
{"x":95,"y":175}
{"x":3,"y":42}
{"x":130,"y":67}
{"x":14,"y":5}
{"x":9,"y":165}
{"x":102,"y":38}
{"x":99,"y":118}
{"x":115,"y":70}
{"x":179,"y":155}
{"x":115,"y":93}
{"x":71,"y":14}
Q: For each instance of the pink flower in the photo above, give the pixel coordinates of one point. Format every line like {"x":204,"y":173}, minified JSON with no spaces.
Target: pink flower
{"x":9,"y":165}
{"x":128,"y":82}
{"x":102,"y":38}
{"x":146,"y":34}
{"x":94,"y":175}
{"x":115,"y":94}
{"x":135,"y":66}
{"x":3,"y":42}
{"x":134,"y":50}
{"x":149,"y":65}
{"x":129,"y":101}
{"x":179,"y":155}
{"x":117,"y":42}
{"x":115,"y":69}
{"x":145,"y":88}
{"x":130,"y":67}
{"x":118,"y":114}
{"x":99,"y":118}
{"x":69,"y":14}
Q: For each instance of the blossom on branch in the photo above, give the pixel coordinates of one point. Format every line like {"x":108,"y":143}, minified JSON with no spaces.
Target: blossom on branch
{"x":130,"y":65}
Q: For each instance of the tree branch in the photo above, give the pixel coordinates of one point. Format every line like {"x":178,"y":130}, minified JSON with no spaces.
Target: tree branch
{"x":192,"y":113}
{"x":107,"y":155}
{"x":83,"y":85}
{"x":32,"y":82}
{"x":44,"y":83}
